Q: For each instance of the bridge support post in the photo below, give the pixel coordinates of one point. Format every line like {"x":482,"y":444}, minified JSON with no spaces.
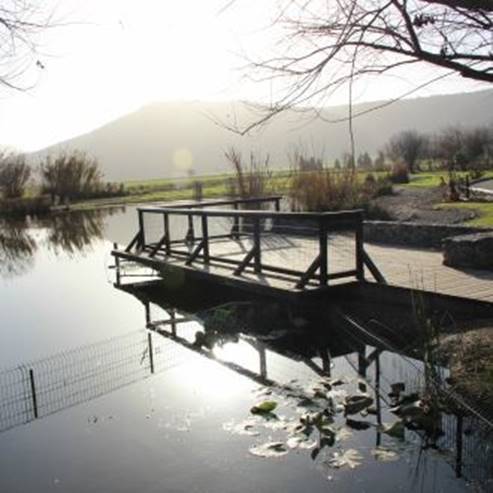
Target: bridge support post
{"x":256,"y":245}
{"x":360,"y":265}
{"x":322,"y":239}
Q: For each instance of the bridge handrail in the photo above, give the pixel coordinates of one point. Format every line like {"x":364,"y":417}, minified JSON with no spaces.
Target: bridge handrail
{"x":235,"y":202}
{"x":326,"y":217}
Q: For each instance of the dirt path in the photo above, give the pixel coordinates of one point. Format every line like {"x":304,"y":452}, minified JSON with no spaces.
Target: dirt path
{"x":418,"y":205}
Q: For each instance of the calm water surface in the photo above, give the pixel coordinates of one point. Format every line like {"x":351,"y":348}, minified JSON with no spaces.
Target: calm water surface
{"x":107,"y":425}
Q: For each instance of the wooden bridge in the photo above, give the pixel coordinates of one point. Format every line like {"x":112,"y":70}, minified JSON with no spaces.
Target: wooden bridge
{"x":258,"y":248}
{"x":251,"y":244}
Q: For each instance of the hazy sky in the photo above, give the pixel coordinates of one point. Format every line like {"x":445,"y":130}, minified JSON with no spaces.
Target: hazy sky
{"x":114,"y":56}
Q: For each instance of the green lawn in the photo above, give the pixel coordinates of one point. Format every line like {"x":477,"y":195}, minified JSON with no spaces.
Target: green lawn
{"x":485,"y":210}
{"x":429,"y":179}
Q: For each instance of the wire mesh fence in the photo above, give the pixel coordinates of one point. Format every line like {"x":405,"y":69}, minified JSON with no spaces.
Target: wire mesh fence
{"x":46,"y":386}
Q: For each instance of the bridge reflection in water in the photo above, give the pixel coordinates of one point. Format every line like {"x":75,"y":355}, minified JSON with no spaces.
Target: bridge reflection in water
{"x":266,"y":342}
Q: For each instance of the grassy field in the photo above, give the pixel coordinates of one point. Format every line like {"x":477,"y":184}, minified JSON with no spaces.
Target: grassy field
{"x":484,"y":210}
{"x":433,"y":178}
{"x":214,"y":186}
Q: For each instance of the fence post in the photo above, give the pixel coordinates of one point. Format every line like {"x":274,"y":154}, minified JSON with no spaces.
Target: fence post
{"x":322,"y":240}
{"x":151,"y":354}
{"x":277,"y":204}
{"x":167,"y":241}
{"x":117,"y":265}
{"x":256,"y":245}
{"x":190,"y":237}
{"x":360,"y":266}
{"x":235,"y":232}
{"x":205,"y":238}
{"x":33,"y":393}
{"x":141,"y":230}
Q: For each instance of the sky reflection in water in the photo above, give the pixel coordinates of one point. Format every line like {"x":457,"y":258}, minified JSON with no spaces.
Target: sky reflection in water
{"x":178,"y":429}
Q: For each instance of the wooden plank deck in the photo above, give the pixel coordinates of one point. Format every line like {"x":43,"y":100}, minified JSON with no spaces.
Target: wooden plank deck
{"x":404,"y":267}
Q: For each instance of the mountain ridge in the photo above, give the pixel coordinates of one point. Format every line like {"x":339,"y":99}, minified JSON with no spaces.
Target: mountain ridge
{"x":167,"y":139}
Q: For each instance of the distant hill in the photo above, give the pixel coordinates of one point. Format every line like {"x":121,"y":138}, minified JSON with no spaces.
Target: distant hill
{"x":164,"y":139}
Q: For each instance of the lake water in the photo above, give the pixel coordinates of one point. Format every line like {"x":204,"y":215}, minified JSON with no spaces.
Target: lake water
{"x":112,"y":419}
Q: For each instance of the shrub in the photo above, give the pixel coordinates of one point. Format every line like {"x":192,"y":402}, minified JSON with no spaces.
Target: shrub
{"x":252,"y":180}
{"x":399,"y":173}
{"x":14,"y":175}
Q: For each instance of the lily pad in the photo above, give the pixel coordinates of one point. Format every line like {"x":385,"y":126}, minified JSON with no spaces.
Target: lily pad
{"x":351,"y":458}
{"x":396,"y":429}
{"x":356,"y":403}
{"x":244,"y":428}
{"x":269,"y":449}
{"x":301,"y":442}
{"x":264,"y":407}
{"x":385,"y":455}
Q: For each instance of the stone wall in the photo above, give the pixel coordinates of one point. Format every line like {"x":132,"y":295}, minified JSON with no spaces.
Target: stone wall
{"x":414,"y":234}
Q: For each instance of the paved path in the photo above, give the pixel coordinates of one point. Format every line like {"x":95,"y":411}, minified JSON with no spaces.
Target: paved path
{"x":483,"y":186}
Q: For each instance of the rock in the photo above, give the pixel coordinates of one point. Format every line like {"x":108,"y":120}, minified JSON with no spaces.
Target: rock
{"x":470,"y":250}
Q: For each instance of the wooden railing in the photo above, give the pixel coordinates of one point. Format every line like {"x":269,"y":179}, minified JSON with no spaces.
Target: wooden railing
{"x":250,"y":225}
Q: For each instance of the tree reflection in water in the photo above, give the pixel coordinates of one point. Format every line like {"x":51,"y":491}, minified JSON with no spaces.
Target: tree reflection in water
{"x":68,"y":232}
{"x":17,"y":248}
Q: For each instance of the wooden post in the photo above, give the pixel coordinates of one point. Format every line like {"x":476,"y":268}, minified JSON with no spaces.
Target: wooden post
{"x":263,"y":359}
{"x":277,"y":204}
{"x":322,"y":239}
{"x":167,"y":243}
{"x":360,"y":266}
{"x":458,"y":446}
{"x":33,"y":393}
{"x":205,"y":238}
{"x":151,"y":354}
{"x":235,"y":233}
{"x":190,"y":237}
{"x":172,"y":315}
{"x":256,"y":244}
{"x":141,"y":230}
{"x":117,"y":265}
{"x":147,"y":307}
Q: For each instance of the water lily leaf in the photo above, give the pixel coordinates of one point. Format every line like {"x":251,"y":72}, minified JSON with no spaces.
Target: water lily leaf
{"x":264,"y":407}
{"x":269,"y":449}
{"x":356,"y":403}
{"x":244,"y":428}
{"x":362,"y":386}
{"x":314,"y":453}
{"x":351,"y":458}
{"x":409,"y":410}
{"x":338,"y":381}
{"x":357,"y":424}
{"x":385,"y":455}
{"x":301,"y":442}
{"x":396,"y":429}
{"x":398,"y":387}
{"x":307,"y":402}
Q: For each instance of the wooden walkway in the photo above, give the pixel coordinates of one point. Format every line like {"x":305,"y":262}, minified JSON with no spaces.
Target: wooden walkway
{"x":410,"y":268}
{"x":289,"y":252}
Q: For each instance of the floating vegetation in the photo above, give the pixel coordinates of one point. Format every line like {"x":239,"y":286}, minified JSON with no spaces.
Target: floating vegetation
{"x":354,"y":404}
{"x":396,"y":429}
{"x":351,"y":458}
{"x":264,"y":407}
{"x":244,"y":428}
{"x":300,"y":441}
{"x":269,"y":449}
{"x":384,"y":454}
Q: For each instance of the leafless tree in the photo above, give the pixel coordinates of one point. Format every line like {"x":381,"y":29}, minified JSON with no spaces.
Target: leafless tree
{"x":407,"y":147}
{"x":21,"y":24}
{"x":71,"y":176}
{"x":14,"y":175}
{"x":329,"y":43}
